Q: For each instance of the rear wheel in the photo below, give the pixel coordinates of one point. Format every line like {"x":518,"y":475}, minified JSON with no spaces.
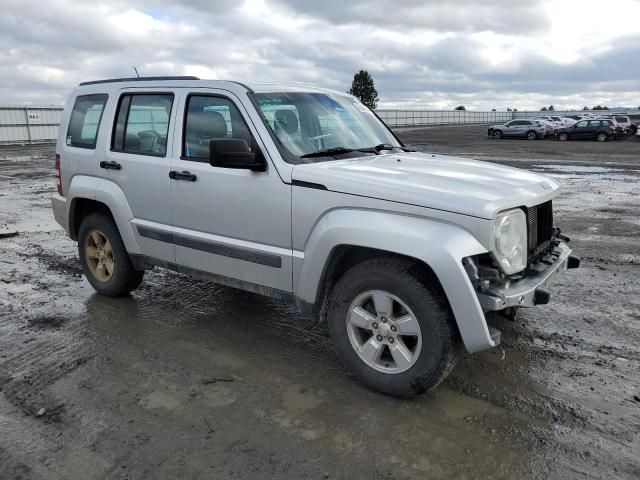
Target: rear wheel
{"x":497,"y":134}
{"x":563,"y":137}
{"x":104,"y":258}
{"x":391,"y":329}
{"x":532,"y":135}
{"x":602,"y":137}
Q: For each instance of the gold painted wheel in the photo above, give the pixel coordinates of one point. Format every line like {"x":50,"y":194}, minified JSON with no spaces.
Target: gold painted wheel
{"x":99,"y":256}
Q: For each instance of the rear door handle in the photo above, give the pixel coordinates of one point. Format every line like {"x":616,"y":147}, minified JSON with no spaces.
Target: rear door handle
{"x":184,"y":175}
{"x":110,"y":165}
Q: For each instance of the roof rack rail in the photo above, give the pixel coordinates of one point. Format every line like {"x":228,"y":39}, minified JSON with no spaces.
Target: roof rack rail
{"x":249,"y":89}
{"x":138,"y":79}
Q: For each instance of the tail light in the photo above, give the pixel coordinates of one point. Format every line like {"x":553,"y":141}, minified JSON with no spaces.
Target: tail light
{"x":58,"y":176}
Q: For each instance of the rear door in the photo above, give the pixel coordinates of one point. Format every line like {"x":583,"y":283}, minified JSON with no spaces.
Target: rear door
{"x":138,"y":161}
{"x":596,"y":126}
{"x":235,"y":223}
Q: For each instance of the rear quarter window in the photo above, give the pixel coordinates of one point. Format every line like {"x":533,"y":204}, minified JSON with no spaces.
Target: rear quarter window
{"x":84,"y":122}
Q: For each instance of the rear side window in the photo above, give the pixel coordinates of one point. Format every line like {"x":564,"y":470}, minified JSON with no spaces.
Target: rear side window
{"x":142,"y":124}
{"x":84,"y":122}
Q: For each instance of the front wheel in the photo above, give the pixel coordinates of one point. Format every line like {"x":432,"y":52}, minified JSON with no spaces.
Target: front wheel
{"x":391,"y":328}
{"x":602,"y":137}
{"x":104,"y":258}
{"x":563,"y":137}
{"x":497,"y":134}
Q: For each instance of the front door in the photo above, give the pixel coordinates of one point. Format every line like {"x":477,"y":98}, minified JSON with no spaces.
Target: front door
{"x":515,"y":129}
{"x":581,"y":129}
{"x":235,"y":223}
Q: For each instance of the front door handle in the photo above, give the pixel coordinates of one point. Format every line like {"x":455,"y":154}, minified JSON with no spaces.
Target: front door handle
{"x":110,"y":165}
{"x":184,"y":175}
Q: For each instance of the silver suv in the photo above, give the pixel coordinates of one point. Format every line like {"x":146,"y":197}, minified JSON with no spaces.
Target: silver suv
{"x":304,"y":194}
{"x":529,"y":129}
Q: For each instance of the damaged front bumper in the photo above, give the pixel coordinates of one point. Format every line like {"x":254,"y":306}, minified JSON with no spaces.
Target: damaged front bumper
{"x":530,"y":289}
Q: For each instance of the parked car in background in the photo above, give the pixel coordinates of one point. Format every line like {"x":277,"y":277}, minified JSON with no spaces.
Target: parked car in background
{"x":595,"y":129}
{"x":550,"y":125}
{"x":624,"y":122}
{"x":635,"y":123}
{"x":529,"y":129}
{"x":568,"y":121}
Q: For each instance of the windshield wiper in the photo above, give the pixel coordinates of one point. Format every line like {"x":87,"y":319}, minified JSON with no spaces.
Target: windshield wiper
{"x":388,"y":146}
{"x":331,"y":152}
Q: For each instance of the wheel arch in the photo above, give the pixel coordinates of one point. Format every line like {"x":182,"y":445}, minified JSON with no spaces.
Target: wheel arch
{"x":89,"y":194}
{"x":346,"y":237}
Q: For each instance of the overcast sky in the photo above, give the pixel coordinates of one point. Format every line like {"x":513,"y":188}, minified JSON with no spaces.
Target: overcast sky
{"x":421,"y":53}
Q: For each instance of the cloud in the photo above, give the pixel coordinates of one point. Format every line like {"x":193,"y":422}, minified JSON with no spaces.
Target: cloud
{"x":420,"y":53}
{"x":463,"y":15}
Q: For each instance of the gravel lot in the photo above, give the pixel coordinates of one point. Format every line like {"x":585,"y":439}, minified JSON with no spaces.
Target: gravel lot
{"x":187,"y":379}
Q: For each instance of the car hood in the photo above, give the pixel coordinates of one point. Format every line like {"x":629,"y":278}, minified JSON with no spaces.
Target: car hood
{"x":454,"y":184}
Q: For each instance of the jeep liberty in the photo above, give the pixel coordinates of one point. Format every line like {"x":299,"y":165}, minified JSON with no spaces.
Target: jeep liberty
{"x":304,"y":194}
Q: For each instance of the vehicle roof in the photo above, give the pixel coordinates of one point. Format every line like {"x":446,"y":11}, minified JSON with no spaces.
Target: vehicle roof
{"x":194,"y":82}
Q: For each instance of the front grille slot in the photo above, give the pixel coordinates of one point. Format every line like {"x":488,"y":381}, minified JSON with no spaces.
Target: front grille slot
{"x":539,"y":225}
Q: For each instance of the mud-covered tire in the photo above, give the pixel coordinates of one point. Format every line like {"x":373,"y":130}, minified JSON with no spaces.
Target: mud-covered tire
{"x":402,"y":278}
{"x":124,"y":278}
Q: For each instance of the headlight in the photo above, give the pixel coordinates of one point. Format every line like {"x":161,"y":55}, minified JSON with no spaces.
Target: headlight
{"x":510,"y":233}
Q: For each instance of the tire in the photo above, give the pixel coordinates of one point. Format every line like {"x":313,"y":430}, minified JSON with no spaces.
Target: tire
{"x":434,"y":343}
{"x":602,"y":137}
{"x":532,"y":135}
{"x":497,"y":134}
{"x":99,"y":242}
{"x":563,"y":137}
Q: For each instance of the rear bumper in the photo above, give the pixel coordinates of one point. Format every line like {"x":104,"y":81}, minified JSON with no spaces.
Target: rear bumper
{"x":531,"y":290}
{"x":59,"y":207}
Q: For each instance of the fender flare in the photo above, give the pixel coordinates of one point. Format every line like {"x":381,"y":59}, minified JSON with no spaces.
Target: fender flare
{"x":440,"y":245}
{"x":110,"y":194}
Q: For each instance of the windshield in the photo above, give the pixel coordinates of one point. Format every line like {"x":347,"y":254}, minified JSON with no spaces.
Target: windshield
{"x":307,"y":125}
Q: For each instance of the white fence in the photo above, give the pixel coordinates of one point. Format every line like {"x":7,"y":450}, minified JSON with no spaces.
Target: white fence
{"x":29,"y":124}
{"x":406,"y":118}
{"x":22,"y":125}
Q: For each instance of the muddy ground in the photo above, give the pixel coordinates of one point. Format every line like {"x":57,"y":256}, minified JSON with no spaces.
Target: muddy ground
{"x":187,"y":379}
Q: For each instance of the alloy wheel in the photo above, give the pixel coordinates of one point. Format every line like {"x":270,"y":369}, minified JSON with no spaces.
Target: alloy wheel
{"x":99,"y":255}
{"x":384,"y":332}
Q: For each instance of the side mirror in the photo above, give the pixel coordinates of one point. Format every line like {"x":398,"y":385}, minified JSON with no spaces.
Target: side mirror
{"x":235,"y":153}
